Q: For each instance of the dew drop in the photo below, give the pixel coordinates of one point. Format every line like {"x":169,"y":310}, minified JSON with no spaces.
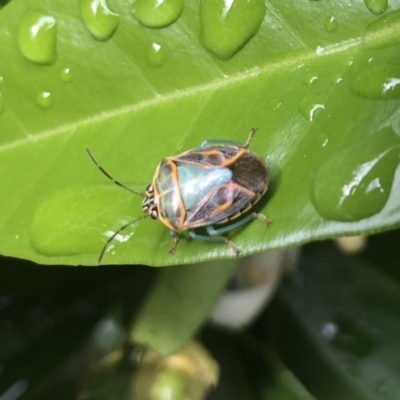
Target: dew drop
{"x":75,"y":220}
{"x":310,"y":107}
{"x":66,"y":75}
{"x":336,"y":78}
{"x":44,"y":99}
{"x":37,"y":37}
{"x":355,"y":183}
{"x":227,"y":25}
{"x":377,"y":7}
{"x":331,"y":24}
{"x":378,"y":82}
{"x":100,"y":21}
{"x":157,"y":13}
{"x":156,"y":56}
{"x":383,"y":32}
{"x":310,"y":79}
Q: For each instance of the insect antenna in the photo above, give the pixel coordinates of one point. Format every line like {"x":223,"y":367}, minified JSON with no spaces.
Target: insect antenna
{"x":115,"y":234}
{"x":95,"y":162}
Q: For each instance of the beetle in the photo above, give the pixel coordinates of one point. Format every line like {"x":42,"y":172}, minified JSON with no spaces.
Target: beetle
{"x":206,"y":186}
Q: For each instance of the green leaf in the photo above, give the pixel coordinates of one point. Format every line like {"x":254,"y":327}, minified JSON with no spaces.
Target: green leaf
{"x":311,"y":79}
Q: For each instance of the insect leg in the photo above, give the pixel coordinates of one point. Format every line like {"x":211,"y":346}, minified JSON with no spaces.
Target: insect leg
{"x":215,"y":239}
{"x":249,"y":138}
{"x":213,"y":232}
{"x":222,"y":142}
{"x":176,"y":238}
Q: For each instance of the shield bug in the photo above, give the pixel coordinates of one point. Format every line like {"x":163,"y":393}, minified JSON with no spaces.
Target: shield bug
{"x":211,"y":185}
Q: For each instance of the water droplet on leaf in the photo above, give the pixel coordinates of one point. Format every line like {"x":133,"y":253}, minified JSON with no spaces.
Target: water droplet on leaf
{"x":156,"y":56}
{"x":100,"y":21}
{"x":44,"y":99}
{"x":331,"y":24}
{"x":76,"y":220}
{"x":383,"y":32}
{"x":376,"y":6}
{"x":66,"y":75}
{"x":37,"y":37}
{"x":378,"y":82}
{"x":309,"y":107}
{"x":227,"y":25}
{"x":355,"y":183}
{"x":157,"y":13}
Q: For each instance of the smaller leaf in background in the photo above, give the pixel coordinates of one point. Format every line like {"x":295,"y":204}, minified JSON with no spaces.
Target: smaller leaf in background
{"x":336,"y":325}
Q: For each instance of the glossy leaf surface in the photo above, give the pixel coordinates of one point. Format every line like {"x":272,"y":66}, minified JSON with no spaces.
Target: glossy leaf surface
{"x":318,"y":79}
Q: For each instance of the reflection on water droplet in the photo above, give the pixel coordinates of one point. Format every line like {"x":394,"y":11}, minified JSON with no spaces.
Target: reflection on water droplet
{"x":331,"y":24}
{"x":155,"y":56}
{"x":66,"y":75}
{"x":157,"y":13}
{"x":337,"y":78}
{"x":44,"y":99}
{"x":227,"y":25}
{"x":383,"y":32}
{"x":100,"y":21}
{"x":376,"y":6}
{"x":310,"y":79}
{"x":1,"y":80}
{"x":74,"y":220}
{"x":378,"y":82}
{"x":355,"y":183}
{"x":309,"y":107}
{"x":37,"y":37}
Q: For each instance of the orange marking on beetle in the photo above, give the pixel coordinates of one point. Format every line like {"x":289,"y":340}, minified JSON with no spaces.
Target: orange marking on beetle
{"x":222,"y":207}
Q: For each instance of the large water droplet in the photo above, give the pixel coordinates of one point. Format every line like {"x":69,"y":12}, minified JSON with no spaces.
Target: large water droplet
{"x":37,"y":37}
{"x":227,"y":25}
{"x":77,"y":220}
{"x":355,"y":183}
{"x":155,"y":56}
{"x":44,"y":99}
{"x":376,"y":6}
{"x":157,"y":13}
{"x":310,"y":106}
{"x":100,"y":21}
{"x":383,"y":32}
{"x":378,"y":82}
{"x":331,"y":24}
{"x":66,"y":75}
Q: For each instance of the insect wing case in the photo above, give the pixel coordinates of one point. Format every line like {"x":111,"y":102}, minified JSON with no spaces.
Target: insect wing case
{"x":211,"y":185}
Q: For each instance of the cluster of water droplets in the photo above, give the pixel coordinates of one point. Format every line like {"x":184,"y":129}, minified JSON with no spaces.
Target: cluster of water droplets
{"x":226,"y":27}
